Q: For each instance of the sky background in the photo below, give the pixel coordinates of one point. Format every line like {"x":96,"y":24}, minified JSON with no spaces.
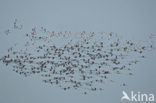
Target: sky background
{"x":132,"y":19}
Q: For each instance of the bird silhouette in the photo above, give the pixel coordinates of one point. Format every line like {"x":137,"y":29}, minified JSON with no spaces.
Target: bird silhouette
{"x":82,"y":62}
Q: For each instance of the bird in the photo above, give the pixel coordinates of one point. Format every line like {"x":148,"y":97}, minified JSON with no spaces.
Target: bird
{"x":81,"y":63}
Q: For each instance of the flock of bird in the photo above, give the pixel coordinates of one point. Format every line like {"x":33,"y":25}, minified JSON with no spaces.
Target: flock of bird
{"x":81,"y":60}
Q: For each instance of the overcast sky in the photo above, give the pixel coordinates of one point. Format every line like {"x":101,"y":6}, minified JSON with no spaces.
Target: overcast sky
{"x":133,"y":19}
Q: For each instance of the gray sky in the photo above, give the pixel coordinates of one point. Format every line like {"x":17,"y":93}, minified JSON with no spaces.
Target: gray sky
{"x":133,"y":19}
